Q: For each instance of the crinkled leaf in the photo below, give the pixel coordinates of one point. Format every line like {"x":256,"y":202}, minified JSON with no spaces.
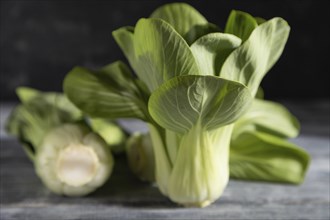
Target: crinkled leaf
{"x":185,"y":19}
{"x":184,"y":101}
{"x":250,"y":62}
{"x":161,"y":53}
{"x":108,"y":93}
{"x":270,"y":117}
{"x":211,"y":50}
{"x":240,"y":24}
{"x":260,"y":156}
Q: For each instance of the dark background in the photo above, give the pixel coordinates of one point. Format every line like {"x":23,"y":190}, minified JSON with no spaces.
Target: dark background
{"x":40,"y":41}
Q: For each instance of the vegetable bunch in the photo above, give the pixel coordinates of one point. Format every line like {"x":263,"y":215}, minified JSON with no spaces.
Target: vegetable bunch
{"x":198,"y":89}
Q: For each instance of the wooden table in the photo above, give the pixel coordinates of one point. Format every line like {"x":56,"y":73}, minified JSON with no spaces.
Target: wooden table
{"x":124,"y":197}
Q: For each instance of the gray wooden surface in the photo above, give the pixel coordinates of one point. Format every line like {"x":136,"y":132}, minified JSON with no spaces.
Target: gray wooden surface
{"x":124,"y":197}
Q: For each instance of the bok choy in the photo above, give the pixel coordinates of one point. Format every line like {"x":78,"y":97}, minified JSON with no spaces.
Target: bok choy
{"x":194,"y":87}
{"x":68,"y":157}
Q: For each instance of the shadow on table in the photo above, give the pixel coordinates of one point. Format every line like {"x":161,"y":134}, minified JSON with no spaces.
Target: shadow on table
{"x":125,"y":189}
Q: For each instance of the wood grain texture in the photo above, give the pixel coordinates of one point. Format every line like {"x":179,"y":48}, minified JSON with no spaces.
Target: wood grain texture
{"x":125,"y":197}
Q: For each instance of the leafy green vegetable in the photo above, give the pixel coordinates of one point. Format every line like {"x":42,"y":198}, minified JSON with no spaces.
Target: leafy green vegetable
{"x":197,"y":108}
{"x":171,"y":73}
{"x":69,"y":159}
{"x":260,"y":156}
{"x":194,"y":97}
